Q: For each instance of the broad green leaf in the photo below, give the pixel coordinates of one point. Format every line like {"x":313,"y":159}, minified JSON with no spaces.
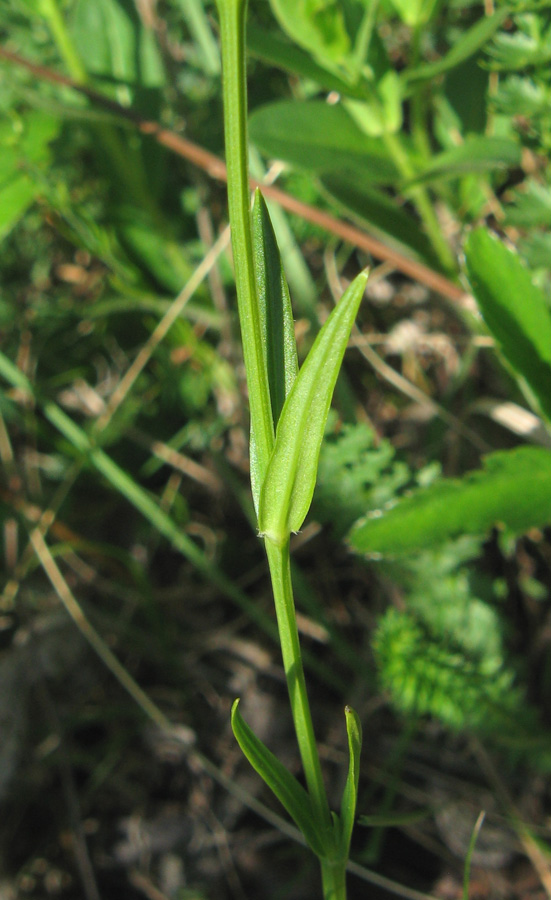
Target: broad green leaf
{"x":465,"y":94}
{"x":380,"y":214}
{"x":112,"y":41}
{"x":290,"y":479}
{"x":476,"y":154}
{"x":350,"y":793}
{"x":287,"y":789}
{"x":320,"y":138}
{"x":316,"y":25}
{"x":274,"y":49}
{"x":25,"y":152}
{"x":514,"y":310}
{"x":512,"y":490}
{"x":276,"y":322}
{"x":467,"y":45}
{"x":15,"y":198}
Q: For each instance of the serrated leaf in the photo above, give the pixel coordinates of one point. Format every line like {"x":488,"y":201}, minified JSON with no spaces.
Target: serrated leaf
{"x":513,"y":490}
{"x":529,"y":45}
{"x":276,"y":323}
{"x":430,"y":674}
{"x":319,"y":138}
{"x":515,"y":311}
{"x":290,"y":478}
{"x":286,"y":788}
{"x":350,"y":793}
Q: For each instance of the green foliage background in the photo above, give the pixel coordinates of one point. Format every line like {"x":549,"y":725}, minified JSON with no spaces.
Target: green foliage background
{"x":427,"y":574}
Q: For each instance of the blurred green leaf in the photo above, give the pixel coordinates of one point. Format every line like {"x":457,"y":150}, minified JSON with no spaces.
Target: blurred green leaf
{"x":475,"y":154}
{"x":379,"y":213}
{"x":528,"y":46}
{"x":25,"y":152}
{"x":274,"y":49}
{"x":414,"y":12}
{"x":316,"y":25}
{"x":356,"y":473}
{"x":514,"y":310}
{"x":383,"y":113}
{"x":431,"y":673}
{"x":113,"y":42}
{"x":521,"y":96}
{"x":15,"y":198}
{"x":197,"y":21}
{"x":320,"y":138}
{"x":468,"y":44}
{"x":512,"y":490}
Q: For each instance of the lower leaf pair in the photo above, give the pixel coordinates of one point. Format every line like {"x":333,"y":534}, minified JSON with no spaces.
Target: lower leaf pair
{"x":325,"y":843}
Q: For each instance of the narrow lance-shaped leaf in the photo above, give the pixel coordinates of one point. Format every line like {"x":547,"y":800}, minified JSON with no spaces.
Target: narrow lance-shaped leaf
{"x":276,"y":314}
{"x":514,"y":310}
{"x":469,"y":44}
{"x":276,"y":324}
{"x":287,"y":789}
{"x":476,"y":154}
{"x":350,"y":793}
{"x":290,"y":479}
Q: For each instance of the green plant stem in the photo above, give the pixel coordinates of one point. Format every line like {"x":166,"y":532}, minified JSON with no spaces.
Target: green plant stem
{"x":423,"y":203}
{"x":333,"y":877}
{"x":232,"y":32}
{"x":280,"y":572}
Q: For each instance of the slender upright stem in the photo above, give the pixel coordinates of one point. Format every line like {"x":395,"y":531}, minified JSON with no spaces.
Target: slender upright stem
{"x":232,"y":29}
{"x":232,"y":32}
{"x":280,"y":571}
{"x":333,"y":877}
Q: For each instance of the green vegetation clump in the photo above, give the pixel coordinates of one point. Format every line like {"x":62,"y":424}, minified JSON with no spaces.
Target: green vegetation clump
{"x":319,"y":456}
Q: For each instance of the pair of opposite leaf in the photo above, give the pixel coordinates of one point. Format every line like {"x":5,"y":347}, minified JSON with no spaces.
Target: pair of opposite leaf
{"x":326,"y":841}
{"x":300,"y":400}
